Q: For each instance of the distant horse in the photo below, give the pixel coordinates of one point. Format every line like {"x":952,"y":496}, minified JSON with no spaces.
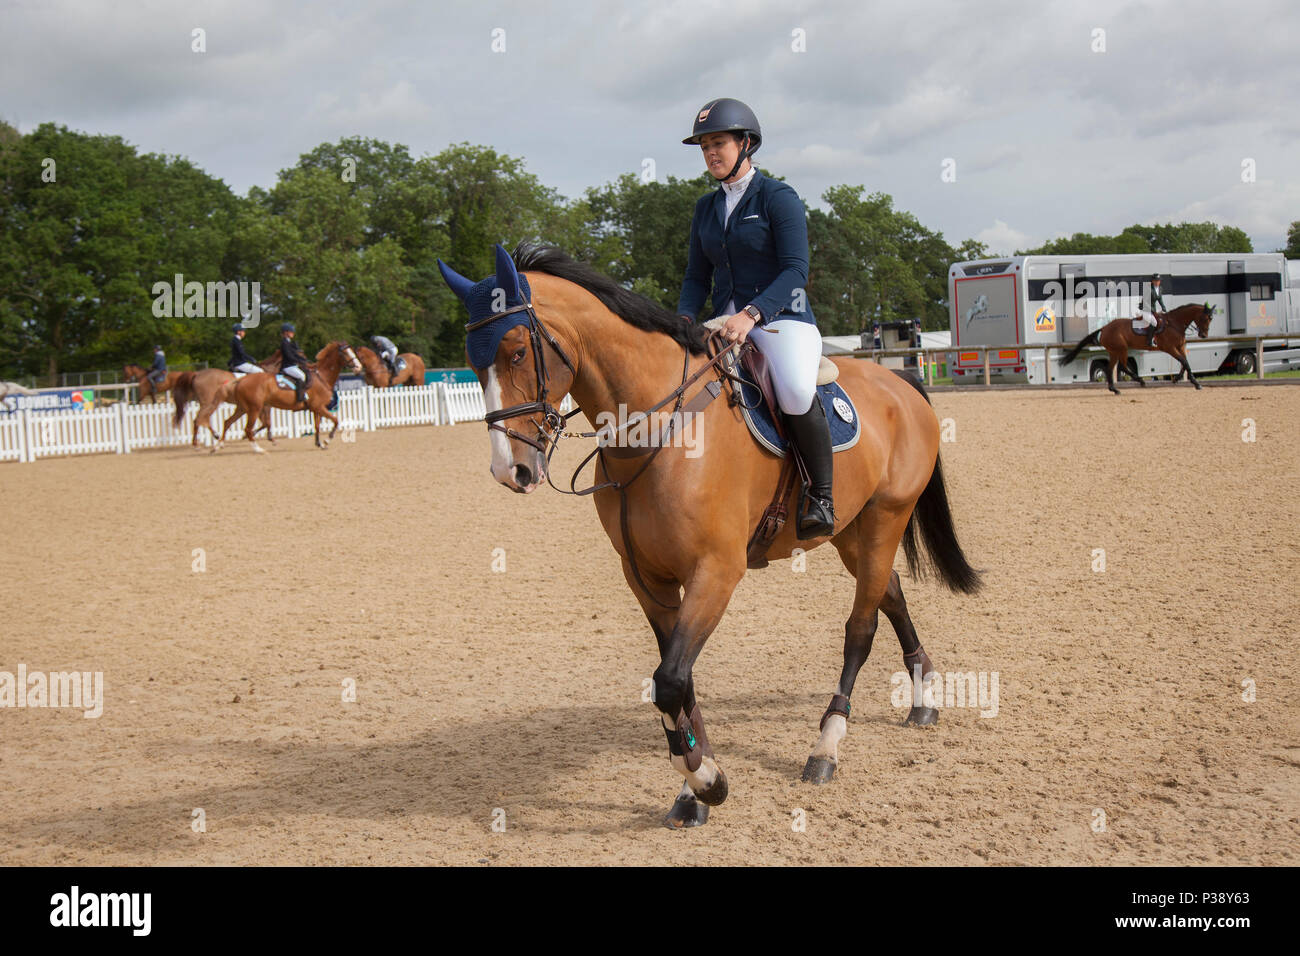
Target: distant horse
{"x":375,"y":369}
{"x":1117,"y":337}
{"x":680,"y":520}
{"x":252,"y":393}
{"x":134,"y":373}
{"x":210,"y":387}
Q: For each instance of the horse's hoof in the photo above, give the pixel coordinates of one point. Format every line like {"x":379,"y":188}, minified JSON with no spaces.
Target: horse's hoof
{"x":818,"y":770}
{"x":715,"y":793}
{"x":922,"y":717}
{"x":686,"y":812}
{"x":1115,"y":391}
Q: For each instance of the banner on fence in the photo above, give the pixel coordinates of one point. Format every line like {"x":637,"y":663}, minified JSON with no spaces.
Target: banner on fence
{"x":51,"y":400}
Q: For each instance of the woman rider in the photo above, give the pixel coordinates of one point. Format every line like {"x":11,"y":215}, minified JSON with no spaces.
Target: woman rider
{"x":1147,"y":315}
{"x":241,"y":362}
{"x":293,"y":364}
{"x":751,"y":238}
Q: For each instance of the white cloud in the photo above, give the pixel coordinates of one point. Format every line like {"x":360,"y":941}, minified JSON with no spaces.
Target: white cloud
{"x":1002,"y":240}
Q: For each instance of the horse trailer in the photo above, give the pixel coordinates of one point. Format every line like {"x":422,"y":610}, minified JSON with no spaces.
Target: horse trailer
{"x":1033,"y":300}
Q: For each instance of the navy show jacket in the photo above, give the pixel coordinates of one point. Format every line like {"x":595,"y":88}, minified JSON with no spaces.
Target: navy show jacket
{"x":759,"y":258}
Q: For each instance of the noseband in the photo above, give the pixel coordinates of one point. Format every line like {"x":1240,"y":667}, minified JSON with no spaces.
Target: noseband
{"x":552,"y":418}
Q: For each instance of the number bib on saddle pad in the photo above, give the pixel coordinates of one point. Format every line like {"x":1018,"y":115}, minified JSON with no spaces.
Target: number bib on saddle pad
{"x":839,"y":408}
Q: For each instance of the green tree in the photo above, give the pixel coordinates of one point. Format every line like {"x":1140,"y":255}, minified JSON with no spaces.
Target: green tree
{"x":640,"y":232}
{"x":1293,"y":241}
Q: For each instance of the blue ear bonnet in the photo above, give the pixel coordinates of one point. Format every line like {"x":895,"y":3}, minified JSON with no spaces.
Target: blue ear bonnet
{"x":483,"y":342}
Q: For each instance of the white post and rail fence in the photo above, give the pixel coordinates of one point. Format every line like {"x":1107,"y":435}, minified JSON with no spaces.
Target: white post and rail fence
{"x":30,"y":434}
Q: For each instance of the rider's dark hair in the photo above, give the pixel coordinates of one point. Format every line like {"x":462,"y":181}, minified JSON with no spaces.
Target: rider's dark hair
{"x":629,"y":306}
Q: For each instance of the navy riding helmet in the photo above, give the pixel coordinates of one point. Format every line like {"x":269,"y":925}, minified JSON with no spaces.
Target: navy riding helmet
{"x":726,"y":115}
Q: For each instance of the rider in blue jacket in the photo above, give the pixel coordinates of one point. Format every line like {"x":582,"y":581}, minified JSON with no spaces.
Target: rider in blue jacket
{"x":158,"y":370}
{"x":293,"y":363}
{"x":750,"y":237}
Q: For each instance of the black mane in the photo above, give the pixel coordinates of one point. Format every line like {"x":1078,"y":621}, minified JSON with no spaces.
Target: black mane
{"x":632,"y":308}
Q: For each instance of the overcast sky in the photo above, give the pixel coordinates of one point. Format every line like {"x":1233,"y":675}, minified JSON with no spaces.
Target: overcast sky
{"x":1049,"y":134}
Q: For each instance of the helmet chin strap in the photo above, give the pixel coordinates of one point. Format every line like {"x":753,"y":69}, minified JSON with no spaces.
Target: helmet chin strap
{"x":745,"y":153}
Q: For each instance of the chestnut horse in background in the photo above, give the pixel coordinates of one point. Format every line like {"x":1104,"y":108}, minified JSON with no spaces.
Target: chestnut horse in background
{"x":680,"y":516}
{"x":375,"y":369}
{"x":1117,"y":337}
{"x":210,"y":387}
{"x":252,"y":393}
{"x":134,"y":373}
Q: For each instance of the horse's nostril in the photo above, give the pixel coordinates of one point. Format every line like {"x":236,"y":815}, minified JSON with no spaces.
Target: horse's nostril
{"x":523,"y":476}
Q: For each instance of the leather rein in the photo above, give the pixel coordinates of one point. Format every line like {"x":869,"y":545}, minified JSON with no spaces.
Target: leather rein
{"x":551,"y":428}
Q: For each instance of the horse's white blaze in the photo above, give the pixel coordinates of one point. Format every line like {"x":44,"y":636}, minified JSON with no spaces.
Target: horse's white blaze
{"x":828,"y":745}
{"x":493,"y":401}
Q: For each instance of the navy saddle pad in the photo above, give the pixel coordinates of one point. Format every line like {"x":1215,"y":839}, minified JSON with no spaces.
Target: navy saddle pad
{"x":840,"y":412}
{"x":289,"y":383}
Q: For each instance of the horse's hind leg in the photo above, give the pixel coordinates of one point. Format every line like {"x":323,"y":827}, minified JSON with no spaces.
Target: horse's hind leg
{"x":867,"y":548}
{"x":1112,"y":372}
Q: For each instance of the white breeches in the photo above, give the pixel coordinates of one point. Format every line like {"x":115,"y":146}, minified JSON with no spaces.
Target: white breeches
{"x":1146,"y":318}
{"x":793,"y":350}
{"x":248,"y":368}
{"x":294,"y":371}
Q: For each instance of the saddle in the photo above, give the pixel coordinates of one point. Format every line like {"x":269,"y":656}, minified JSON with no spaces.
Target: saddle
{"x":1145,"y":329}
{"x":285,"y":381}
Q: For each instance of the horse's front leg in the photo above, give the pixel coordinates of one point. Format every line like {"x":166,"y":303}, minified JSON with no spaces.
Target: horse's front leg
{"x":703,"y":604}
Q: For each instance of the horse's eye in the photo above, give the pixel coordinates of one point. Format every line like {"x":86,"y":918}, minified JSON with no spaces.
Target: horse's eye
{"x":517,"y":357}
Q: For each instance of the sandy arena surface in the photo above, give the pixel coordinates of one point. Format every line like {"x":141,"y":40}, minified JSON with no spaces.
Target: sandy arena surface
{"x":1120,"y":692}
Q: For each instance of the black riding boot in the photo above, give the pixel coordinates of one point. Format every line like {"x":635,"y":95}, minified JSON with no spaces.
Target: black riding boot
{"x":811,"y":433}
{"x":300,"y":392}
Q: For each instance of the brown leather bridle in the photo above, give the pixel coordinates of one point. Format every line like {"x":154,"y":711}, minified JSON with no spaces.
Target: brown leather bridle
{"x":551,"y":415}
{"x":551,"y":428}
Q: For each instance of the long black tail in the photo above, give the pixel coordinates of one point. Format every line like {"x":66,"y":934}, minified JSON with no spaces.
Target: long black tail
{"x":1083,"y":343}
{"x":932,"y":519}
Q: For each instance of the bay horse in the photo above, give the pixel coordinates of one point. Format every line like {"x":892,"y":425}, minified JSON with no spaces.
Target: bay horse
{"x":134,"y":373}
{"x":545,"y":325}
{"x":252,"y":393}
{"x":375,"y":369}
{"x":1117,"y":337}
{"x":210,"y":387}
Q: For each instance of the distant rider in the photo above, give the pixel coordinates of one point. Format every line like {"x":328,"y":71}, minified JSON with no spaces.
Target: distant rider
{"x":293,"y":364}
{"x":158,"y":370}
{"x":241,"y":363}
{"x":1147,"y":317}
{"x":388,"y":352}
